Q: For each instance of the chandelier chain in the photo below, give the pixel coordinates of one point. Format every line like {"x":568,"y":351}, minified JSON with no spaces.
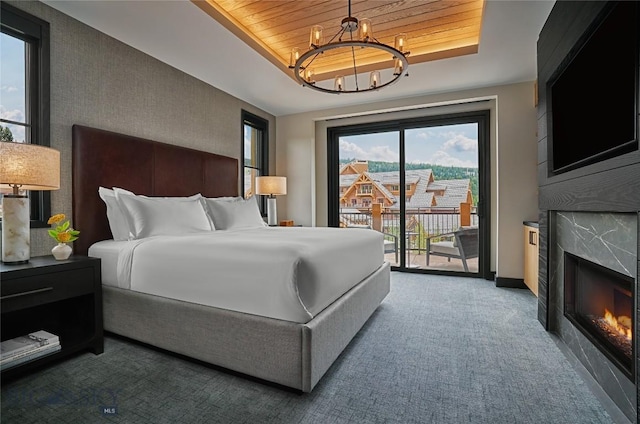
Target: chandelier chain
{"x":353,"y":54}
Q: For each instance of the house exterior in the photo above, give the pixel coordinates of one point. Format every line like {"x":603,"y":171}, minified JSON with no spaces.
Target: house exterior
{"x":360,"y":189}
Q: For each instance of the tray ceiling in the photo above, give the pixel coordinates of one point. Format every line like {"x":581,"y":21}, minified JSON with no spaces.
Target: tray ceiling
{"x":436,"y":29}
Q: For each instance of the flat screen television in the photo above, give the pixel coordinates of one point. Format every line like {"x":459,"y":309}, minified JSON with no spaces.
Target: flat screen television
{"x":593,"y":95}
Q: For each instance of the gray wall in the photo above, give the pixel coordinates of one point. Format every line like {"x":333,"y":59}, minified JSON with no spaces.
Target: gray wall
{"x":101,"y":82}
{"x":612,"y":185}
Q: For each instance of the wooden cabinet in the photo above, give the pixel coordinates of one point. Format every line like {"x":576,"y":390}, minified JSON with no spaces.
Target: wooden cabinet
{"x":531,"y":257}
{"x":61,"y":297}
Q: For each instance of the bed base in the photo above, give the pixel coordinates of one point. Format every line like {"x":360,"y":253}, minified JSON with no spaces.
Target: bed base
{"x":290,"y":354}
{"x":287,"y":353}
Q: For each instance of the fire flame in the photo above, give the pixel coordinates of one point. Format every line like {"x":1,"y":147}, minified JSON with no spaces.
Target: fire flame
{"x":621,"y":324}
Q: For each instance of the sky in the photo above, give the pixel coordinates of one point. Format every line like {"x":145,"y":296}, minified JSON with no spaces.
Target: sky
{"x":449,"y":145}
{"x":12,"y":83}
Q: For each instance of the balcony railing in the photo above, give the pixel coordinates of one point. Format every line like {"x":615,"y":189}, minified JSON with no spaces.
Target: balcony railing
{"x":420,"y":223}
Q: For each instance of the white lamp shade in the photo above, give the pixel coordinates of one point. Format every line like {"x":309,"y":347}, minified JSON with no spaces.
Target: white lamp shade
{"x":30,"y":166}
{"x":271,"y":185}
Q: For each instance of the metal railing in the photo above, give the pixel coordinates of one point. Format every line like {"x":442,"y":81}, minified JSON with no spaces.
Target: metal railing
{"x":420,"y":223}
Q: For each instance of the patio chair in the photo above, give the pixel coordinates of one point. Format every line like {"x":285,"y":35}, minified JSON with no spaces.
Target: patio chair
{"x":391,"y":244}
{"x":463,"y":245}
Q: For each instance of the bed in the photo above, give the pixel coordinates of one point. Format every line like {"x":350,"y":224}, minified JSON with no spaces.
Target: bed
{"x":290,"y":339}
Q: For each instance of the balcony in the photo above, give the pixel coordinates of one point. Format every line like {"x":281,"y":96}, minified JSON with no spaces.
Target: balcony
{"x":421,"y":224}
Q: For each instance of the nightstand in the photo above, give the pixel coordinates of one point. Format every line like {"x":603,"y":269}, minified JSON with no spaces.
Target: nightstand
{"x":61,"y":297}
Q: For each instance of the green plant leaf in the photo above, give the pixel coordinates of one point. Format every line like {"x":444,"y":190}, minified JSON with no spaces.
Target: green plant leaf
{"x":73,"y":239}
{"x":74,"y":232}
{"x":53,"y":234}
{"x":65,"y":226}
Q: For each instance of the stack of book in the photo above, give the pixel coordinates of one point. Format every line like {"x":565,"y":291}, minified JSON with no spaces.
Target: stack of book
{"x":27,"y":348}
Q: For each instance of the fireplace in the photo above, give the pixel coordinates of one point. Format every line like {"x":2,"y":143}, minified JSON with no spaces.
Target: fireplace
{"x":599,"y":302}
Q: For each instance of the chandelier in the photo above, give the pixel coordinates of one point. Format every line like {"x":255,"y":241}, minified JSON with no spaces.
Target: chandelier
{"x":362,"y":42}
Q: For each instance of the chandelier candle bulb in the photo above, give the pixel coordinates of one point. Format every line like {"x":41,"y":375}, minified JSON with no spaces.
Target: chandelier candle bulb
{"x":397,"y":69}
{"x":316,"y":38}
{"x":339,"y":83}
{"x":374,"y":79}
{"x":295,"y":55}
{"x":308,"y":75}
{"x":401,"y":42}
{"x":366,"y":31}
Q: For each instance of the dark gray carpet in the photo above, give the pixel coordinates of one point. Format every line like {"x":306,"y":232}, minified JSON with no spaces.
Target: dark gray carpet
{"x":438,"y":350}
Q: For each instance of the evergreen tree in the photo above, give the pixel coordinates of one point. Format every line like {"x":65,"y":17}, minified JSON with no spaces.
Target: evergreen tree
{"x":5,"y":134}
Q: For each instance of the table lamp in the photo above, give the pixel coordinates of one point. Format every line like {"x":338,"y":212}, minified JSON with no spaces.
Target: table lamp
{"x":23,"y":166}
{"x":271,"y":186}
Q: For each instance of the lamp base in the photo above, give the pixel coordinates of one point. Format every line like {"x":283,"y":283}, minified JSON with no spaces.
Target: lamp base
{"x":272,"y":212}
{"x":16,"y":233}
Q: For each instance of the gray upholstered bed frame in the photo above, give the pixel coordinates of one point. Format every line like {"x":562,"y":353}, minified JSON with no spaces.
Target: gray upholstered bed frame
{"x":286,"y":353}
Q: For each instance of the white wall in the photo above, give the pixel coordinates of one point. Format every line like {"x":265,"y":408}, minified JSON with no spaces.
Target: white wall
{"x":302,"y":147}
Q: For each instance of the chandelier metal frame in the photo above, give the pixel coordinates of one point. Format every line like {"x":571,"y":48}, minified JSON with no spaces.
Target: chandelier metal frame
{"x":349,"y":25}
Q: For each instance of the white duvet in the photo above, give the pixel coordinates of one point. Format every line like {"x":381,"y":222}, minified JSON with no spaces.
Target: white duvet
{"x":287,"y":273}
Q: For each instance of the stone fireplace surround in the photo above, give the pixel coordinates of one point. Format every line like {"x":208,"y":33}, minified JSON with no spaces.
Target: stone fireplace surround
{"x":607,"y":239}
{"x":609,"y":187}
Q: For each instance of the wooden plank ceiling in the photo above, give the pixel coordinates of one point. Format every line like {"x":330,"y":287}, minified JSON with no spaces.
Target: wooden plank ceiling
{"x":436,"y":29}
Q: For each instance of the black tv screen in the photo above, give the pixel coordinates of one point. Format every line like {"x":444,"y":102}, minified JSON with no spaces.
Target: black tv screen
{"x":594,"y":94}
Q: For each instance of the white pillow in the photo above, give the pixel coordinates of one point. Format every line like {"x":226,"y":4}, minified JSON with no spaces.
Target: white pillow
{"x":238,"y":213}
{"x":222,"y":199}
{"x":117,"y":220}
{"x":154,"y":216}
{"x":120,"y":191}
{"x":228,"y":198}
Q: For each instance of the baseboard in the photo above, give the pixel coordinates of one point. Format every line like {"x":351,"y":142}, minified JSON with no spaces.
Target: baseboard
{"x":512,"y":283}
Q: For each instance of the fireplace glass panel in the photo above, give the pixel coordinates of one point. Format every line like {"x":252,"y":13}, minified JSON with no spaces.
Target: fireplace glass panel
{"x":599,"y":302}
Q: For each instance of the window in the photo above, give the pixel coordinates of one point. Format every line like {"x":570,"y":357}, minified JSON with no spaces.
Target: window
{"x":365,"y":189}
{"x":24,"y":92}
{"x":255,"y":142}
{"x":412,"y":216}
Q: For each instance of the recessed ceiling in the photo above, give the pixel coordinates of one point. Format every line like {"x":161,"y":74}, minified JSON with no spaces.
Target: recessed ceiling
{"x":436,"y":29}
{"x":180,"y":34}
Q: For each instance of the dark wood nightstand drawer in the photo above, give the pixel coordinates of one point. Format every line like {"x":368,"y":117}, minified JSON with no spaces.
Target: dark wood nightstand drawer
{"x":24,"y":292}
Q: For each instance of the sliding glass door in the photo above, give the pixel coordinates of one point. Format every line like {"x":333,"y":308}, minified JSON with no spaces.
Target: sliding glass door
{"x":369,"y":168}
{"x":441,"y":197}
{"x":419,"y":182}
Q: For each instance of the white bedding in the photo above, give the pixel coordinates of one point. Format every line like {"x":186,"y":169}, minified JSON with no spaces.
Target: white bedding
{"x":287,"y":273}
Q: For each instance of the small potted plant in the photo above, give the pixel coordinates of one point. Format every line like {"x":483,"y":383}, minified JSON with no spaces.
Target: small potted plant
{"x":63,"y":234}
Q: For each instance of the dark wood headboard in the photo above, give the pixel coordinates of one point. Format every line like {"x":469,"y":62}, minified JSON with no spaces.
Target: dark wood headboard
{"x":108,"y":159}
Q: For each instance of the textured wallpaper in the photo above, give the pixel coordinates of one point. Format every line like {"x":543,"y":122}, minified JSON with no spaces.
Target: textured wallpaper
{"x":101,"y":82}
